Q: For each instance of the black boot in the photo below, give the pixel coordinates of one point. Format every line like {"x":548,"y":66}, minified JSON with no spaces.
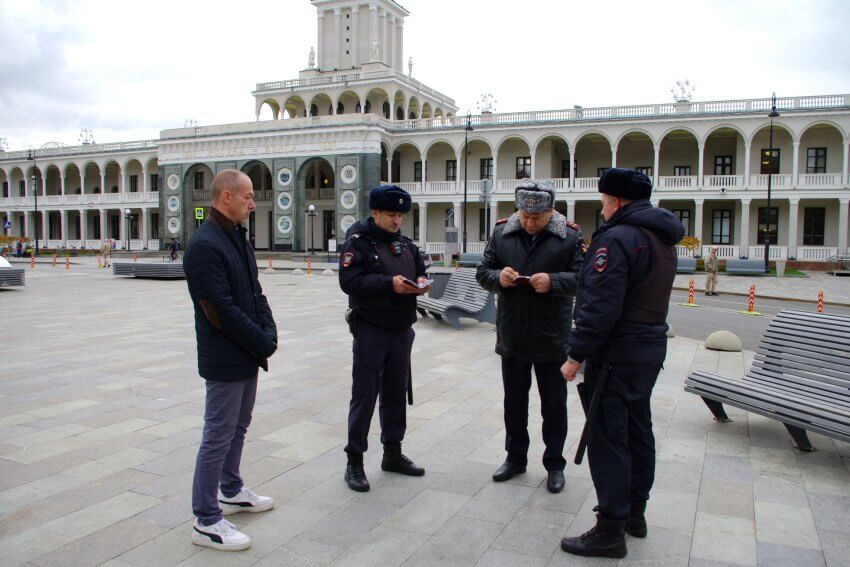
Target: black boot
{"x":355,"y":476}
{"x":636,"y":524}
{"x":395,"y":461}
{"x":605,"y":539}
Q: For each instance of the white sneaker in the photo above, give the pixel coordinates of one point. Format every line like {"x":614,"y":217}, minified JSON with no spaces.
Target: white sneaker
{"x":245,"y":501}
{"x":222,"y":535}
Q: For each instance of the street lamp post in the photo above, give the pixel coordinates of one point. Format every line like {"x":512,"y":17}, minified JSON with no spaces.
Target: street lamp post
{"x":31,"y":157}
{"x":773,"y":114}
{"x":311,"y":212}
{"x":466,"y":132}
{"x":128,"y":216}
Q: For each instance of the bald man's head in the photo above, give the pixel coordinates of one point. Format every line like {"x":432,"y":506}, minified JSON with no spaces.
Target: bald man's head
{"x":232,"y":193}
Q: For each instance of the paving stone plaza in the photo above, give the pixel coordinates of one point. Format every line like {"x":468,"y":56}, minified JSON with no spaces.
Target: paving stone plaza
{"x":101,"y":408}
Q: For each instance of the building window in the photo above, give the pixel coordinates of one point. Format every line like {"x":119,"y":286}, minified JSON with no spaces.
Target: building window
{"x":22,"y":187}
{"x":681,"y":170}
{"x":685,"y":218}
{"x":768,"y":228}
{"x":450,"y":217}
{"x":155,"y":226}
{"x":721,"y":226}
{"x":814,"y":220}
{"x":487,"y":168}
{"x":5,"y":188}
{"x":451,"y":170}
{"x":134,"y":184}
{"x":645,"y":169}
{"x":523,"y":167}
{"x":766,"y":166}
{"x":417,"y":171}
{"x":199,"y":181}
{"x":155,"y":182}
{"x":723,"y":165}
{"x":601,"y":170}
{"x":482,"y":223}
{"x":416,"y":223}
{"x":816,"y":160}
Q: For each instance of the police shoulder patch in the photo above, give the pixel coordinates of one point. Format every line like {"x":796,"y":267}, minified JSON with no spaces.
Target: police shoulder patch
{"x":347,"y":259}
{"x":502,"y":221}
{"x":600,"y":260}
{"x":573,"y":225}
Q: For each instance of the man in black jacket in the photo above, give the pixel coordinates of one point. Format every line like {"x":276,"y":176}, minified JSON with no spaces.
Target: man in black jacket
{"x":621,"y":335}
{"x":381,"y":271}
{"x":236,"y":335}
{"x":532,"y":261}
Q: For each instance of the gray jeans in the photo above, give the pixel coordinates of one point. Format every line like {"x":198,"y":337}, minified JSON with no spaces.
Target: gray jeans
{"x":226,"y":419}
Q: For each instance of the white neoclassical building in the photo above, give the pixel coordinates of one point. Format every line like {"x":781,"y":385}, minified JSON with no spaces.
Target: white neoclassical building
{"x":355,"y":117}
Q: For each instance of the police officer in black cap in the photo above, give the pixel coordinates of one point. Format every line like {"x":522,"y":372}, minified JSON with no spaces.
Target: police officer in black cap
{"x":381,"y":271}
{"x":621,"y":335}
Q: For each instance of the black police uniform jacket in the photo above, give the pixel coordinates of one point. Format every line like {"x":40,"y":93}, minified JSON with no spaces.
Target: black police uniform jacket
{"x":531,"y":326}
{"x":233,"y":322}
{"x":369,"y":259}
{"x":624,"y":288}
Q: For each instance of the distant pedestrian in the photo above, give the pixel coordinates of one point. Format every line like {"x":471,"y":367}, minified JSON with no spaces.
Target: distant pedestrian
{"x":106,"y":251}
{"x":19,"y":250}
{"x":711,"y":272}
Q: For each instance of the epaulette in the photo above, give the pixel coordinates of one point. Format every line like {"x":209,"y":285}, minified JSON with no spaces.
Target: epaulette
{"x":502,"y":221}
{"x":573,"y":225}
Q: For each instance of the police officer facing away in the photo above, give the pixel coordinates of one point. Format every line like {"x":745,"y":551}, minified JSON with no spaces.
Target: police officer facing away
{"x":620,"y":333}
{"x":380,"y":270}
{"x":533,"y":261}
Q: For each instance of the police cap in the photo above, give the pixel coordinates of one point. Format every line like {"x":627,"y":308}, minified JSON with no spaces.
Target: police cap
{"x":625,"y":183}
{"x":389,"y":198}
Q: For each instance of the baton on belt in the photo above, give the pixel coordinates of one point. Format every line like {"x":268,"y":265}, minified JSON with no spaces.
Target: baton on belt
{"x":601,"y":379}
{"x":409,"y":385}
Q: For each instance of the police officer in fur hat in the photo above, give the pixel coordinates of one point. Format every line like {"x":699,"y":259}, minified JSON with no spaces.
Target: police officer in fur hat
{"x":621,"y":335}
{"x":532,"y":262}
{"x":381,"y":271}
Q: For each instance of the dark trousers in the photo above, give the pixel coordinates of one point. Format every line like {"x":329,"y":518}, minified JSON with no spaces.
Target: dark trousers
{"x":621,"y":447}
{"x":516,"y":378}
{"x":381,"y":369}
{"x":226,"y":419}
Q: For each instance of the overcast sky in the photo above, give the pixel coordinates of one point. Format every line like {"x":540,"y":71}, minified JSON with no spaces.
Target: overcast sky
{"x":128,"y":69}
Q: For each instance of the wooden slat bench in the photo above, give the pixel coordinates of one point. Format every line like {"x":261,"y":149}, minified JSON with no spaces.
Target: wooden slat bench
{"x":11,"y":276}
{"x":686,"y":265}
{"x":463,"y":297}
{"x":150,"y":270}
{"x":745,"y":267}
{"x":800,"y":376}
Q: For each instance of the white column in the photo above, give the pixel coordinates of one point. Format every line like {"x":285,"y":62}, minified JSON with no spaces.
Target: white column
{"x":355,"y":37}
{"x":495,"y":172}
{"x":103,"y":183}
{"x":44,"y":225}
{"x":494,"y":213}
{"x":392,"y":109}
{"x":424,"y":173}
{"x":842,"y":225}
{"x":385,"y":44}
{"x":144,"y":228}
{"x":701,"y":166}
{"x":398,"y":46}
{"x":373,"y":28}
{"x":571,"y":210}
{"x":423,"y":224}
{"x":62,"y":184}
{"x":793,"y":217}
{"x":458,"y":212}
{"x":337,"y":54}
{"x":747,"y":158}
{"x":389,"y":168}
{"x":698,"y":213}
{"x":613,"y":157}
{"x":83,"y":228}
{"x":795,"y":165}
{"x":391,"y":21}
{"x":459,"y":173}
{"x":745,"y":228}
{"x":63,"y":226}
{"x":845,"y":180}
{"x":533,"y":167}
{"x":320,"y":52}
{"x":27,"y":224}
{"x":655,"y":164}
{"x":123,"y":228}
{"x":102,"y":220}
{"x":122,"y":176}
